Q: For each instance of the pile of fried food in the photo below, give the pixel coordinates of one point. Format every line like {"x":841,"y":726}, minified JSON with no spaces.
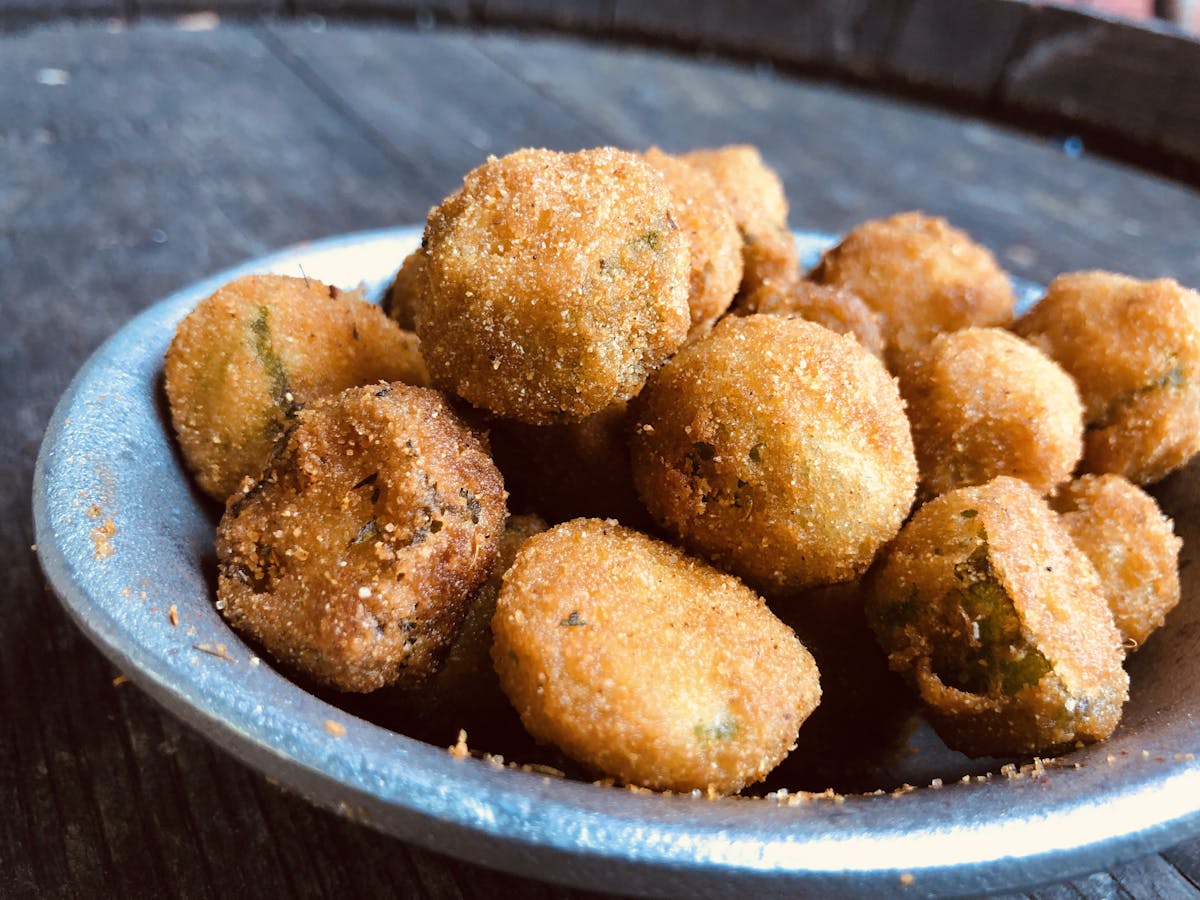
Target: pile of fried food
{"x":625,"y":342}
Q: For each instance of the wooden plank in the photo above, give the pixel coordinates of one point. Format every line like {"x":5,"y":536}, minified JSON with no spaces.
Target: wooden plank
{"x":1092,"y":70}
{"x":580,"y":16}
{"x":818,"y":33}
{"x":433,"y":98}
{"x":955,"y":45}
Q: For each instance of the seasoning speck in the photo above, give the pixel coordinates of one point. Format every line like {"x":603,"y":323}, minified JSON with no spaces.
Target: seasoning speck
{"x":173,"y":615}
{"x":337,"y":729}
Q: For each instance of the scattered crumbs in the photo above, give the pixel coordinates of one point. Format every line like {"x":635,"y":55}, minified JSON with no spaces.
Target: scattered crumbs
{"x":337,"y":729}
{"x":120,"y":680}
{"x":93,"y":511}
{"x":1110,"y":759}
{"x":126,"y":592}
{"x":495,"y":760}
{"x":460,"y":750}
{"x":1145,"y":754}
{"x":936,"y":783}
{"x":254,"y":660}
{"x":906,"y":878}
{"x":173,"y":615}
{"x":966,"y":779}
{"x":102,"y":538}
{"x":220,"y":651}
{"x":905,"y":788}
{"x":201,"y":21}
{"x":33,"y":547}
{"x":1009,"y":771}
{"x":142,"y":595}
{"x":191,"y":630}
{"x":539,"y":769}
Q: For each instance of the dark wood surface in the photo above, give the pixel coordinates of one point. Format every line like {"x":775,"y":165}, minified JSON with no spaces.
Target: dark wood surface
{"x":138,"y":156}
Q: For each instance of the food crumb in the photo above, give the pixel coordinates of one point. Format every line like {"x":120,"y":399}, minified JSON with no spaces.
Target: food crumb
{"x":102,"y":538}
{"x":254,"y":660}
{"x":126,"y":593}
{"x":93,"y":511}
{"x":1145,"y":754}
{"x":460,"y":750}
{"x":219,"y":650}
{"x":33,"y":547}
{"x":1110,"y":759}
{"x":173,"y":615}
{"x":120,"y":680}
{"x":337,"y":729}
{"x":906,"y":878}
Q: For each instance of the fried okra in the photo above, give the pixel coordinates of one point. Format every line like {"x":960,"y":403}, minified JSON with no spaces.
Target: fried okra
{"x":647,"y":665}
{"x":922,"y":275}
{"x":982,"y":403}
{"x":464,"y":693}
{"x":556,"y":283}
{"x":715,"y":244}
{"x":759,"y":206}
{"x":259,"y":349}
{"x":401,"y":297}
{"x":571,"y":471}
{"x":837,"y":309}
{"x":1134,"y":349}
{"x":777,"y":449}
{"x":1000,"y":622}
{"x":352,"y":559}
{"x":1131,"y":544}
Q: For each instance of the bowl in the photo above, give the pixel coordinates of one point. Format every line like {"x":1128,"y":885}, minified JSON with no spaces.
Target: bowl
{"x":127,"y":545}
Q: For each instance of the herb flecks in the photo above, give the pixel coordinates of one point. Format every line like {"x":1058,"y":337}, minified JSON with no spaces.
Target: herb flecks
{"x":574,"y":620}
{"x":368,"y":532}
{"x":723,"y":729}
{"x":264,"y":349}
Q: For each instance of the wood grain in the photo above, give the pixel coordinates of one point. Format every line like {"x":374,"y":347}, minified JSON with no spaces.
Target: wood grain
{"x":168,"y":154}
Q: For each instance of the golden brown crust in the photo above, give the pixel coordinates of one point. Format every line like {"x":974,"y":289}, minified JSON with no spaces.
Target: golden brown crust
{"x":352,"y":559}
{"x":557,"y":282}
{"x":1134,"y":349}
{"x":703,"y":215}
{"x":759,"y":206}
{"x":777,"y":449}
{"x":245,"y":359}
{"x":1000,"y":621}
{"x":837,"y":309}
{"x":922,"y":275}
{"x":982,"y":403}
{"x":645,"y":664}
{"x":401,"y":299}
{"x":1131,"y":544}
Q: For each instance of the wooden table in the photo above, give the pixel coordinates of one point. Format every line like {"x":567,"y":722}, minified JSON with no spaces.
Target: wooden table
{"x":138,"y":154}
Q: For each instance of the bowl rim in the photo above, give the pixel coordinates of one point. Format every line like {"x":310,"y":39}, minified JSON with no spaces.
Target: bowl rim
{"x":962,"y":837}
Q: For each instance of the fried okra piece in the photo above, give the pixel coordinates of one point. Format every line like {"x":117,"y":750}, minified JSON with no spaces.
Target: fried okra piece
{"x":464,"y":693}
{"x":556,"y":283}
{"x":704,"y":216}
{"x":262,"y":347}
{"x":922,"y":275}
{"x":647,"y":665}
{"x":401,"y":297}
{"x":778,"y":450}
{"x":982,"y":403}
{"x":1134,"y":349}
{"x":837,"y":309}
{"x":1132,"y":545}
{"x":571,"y":471}
{"x":352,"y":559}
{"x":985,"y":603}
{"x":759,"y":208}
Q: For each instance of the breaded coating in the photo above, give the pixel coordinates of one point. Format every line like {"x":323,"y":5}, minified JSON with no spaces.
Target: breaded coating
{"x":777,"y":449}
{"x":408,"y":283}
{"x":922,"y":275}
{"x":760,"y":209}
{"x":1134,"y":349}
{"x":647,"y":665}
{"x":1000,"y":621}
{"x":557,"y":282}
{"x":982,"y":403}
{"x":262,"y":347}
{"x":577,"y":470}
{"x":703,"y":215}
{"x":1132,"y":545}
{"x":353,"y":558}
{"x":464,"y":693}
{"x":837,"y":309}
